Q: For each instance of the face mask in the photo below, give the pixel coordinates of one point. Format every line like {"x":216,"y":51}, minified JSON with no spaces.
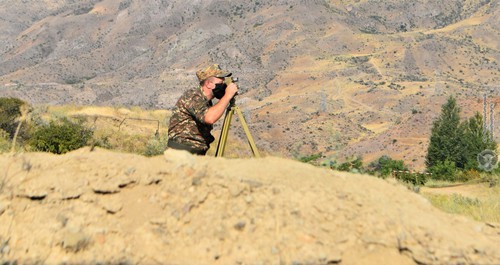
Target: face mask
{"x":219,"y":90}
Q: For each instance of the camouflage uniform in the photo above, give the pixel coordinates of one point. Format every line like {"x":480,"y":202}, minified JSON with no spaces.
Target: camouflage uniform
{"x":187,"y":126}
{"x":187,"y":129}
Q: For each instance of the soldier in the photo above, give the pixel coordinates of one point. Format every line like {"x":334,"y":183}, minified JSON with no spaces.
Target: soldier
{"x":194,"y":114}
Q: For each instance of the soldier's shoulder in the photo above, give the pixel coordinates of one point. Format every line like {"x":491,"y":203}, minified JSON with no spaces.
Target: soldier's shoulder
{"x":188,"y":94}
{"x":191,"y":98}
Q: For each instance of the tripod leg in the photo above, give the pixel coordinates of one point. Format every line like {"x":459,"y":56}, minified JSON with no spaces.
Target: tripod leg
{"x":221,"y":146}
{"x":247,"y":132}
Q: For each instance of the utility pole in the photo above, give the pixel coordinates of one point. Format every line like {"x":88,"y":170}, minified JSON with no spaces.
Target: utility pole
{"x":492,"y":120}
{"x":491,"y":95}
{"x":485,"y":119}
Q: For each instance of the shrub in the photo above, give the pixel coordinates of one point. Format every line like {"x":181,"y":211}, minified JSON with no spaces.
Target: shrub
{"x":417,"y":179}
{"x":385,"y":165}
{"x":444,"y":170}
{"x":467,"y":175}
{"x":353,"y":165}
{"x":156,"y":146}
{"x":60,"y":137}
{"x":310,"y":158}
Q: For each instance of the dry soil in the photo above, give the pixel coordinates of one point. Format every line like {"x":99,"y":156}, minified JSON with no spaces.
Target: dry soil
{"x":102,"y":207}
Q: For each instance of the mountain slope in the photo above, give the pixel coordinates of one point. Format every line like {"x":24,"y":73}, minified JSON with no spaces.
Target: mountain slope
{"x":362,"y":77}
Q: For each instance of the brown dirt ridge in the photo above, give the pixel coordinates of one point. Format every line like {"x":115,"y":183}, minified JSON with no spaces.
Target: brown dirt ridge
{"x":103,"y":207}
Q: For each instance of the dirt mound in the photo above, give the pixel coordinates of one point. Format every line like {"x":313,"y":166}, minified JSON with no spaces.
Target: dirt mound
{"x":99,"y":207}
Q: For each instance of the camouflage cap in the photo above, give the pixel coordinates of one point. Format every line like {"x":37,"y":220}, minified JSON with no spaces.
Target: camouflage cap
{"x":212,"y":70}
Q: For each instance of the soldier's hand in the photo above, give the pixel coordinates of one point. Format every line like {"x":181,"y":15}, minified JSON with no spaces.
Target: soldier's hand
{"x":231,"y":90}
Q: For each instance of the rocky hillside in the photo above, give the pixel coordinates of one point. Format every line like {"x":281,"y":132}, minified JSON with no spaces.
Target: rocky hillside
{"x":361,"y":77}
{"x":102,"y":207}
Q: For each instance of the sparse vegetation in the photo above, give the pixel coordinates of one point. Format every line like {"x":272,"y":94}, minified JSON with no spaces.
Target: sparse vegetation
{"x":124,"y":4}
{"x":354,"y":165}
{"x":385,"y":165}
{"x":156,"y":145}
{"x":486,"y":208}
{"x":310,"y":158}
{"x":83,"y":10}
{"x":415,"y":179}
{"x":55,"y":129}
{"x":60,"y":137}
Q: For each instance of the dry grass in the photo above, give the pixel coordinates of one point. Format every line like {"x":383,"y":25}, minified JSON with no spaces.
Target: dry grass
{"x":132,"y":130}
{"x":4,"y":141}
{"x":479,"y":201}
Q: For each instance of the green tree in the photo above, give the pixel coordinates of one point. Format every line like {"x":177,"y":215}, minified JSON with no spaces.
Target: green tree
{"x":10,"y":111}
{"x":474,"y":140}
{"x":446,"y":135}
{"x":60,"y":137}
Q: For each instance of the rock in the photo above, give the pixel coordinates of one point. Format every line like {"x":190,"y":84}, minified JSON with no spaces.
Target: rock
{"x":179,"y":158}
{"x":130,"y":171}
{"x":220,"y":232}
{"x":249,"y":199}
{"x":112,"y":205}
{"x":124,"y":181}
{"x":71,"y":187}
{"x":150,"y":179}
{"x":196,"y":181}
{"x":4,"y":246}
{"x":3,"y":207}
{"x":253,"y":183}
{"x":34,"y":194}
{"x":74,"y":240}
{"x":71,"y":194}
{"x":105,"y":187}
{"x":161,"y":221}
{"x":240,"y":225}
{"x":334,"y":257}
{"x":236,"y":189}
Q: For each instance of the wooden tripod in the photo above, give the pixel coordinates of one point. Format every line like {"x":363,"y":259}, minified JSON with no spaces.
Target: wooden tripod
{"x":221,"y":146}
